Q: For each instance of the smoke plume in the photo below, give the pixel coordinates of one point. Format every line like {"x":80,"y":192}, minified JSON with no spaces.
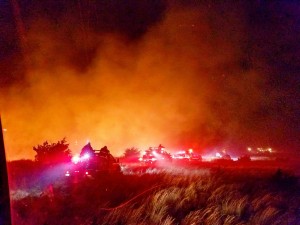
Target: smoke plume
{"x":186,"y":75}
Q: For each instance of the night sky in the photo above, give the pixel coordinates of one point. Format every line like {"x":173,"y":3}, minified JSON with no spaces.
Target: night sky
{"x":186,"y":74}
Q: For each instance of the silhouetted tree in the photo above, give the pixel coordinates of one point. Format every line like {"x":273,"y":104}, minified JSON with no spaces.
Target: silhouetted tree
{"x":131,"y":154}
{"x":53,"y":153}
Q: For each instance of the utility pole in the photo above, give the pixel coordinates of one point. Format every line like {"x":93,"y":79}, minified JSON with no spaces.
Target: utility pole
{"x":5,"y":217}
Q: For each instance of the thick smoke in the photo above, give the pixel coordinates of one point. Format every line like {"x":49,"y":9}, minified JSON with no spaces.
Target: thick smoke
{"x":139,"y":74}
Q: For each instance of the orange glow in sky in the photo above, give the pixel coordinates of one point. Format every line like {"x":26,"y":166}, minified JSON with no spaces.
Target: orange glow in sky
{"x":179,"y":85}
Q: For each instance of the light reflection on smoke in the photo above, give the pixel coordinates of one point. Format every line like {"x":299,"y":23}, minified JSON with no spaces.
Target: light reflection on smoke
{"x":182,"y":84}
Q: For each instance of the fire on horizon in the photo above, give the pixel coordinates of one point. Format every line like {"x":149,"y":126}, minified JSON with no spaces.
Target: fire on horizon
{"x":188,"y":74}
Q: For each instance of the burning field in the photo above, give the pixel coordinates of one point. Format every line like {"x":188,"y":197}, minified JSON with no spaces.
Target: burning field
{"x":219,"y":77}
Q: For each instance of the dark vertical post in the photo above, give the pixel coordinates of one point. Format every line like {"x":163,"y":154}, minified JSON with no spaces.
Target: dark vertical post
{"x":5,"y":218}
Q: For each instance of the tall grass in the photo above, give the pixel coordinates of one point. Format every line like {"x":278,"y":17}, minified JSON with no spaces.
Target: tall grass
{"x":179,"y":196}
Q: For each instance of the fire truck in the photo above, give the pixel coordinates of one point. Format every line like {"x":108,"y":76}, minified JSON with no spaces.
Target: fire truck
{"x":186,"y":156}
{"x":91,"y":162}
{"x":154,"y":155}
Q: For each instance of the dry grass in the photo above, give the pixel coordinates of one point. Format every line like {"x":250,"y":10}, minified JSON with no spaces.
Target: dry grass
{"x":220,"y":196}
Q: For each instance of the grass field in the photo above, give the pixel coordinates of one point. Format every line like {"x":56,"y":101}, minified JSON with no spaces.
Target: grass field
{"x":175,"y":195}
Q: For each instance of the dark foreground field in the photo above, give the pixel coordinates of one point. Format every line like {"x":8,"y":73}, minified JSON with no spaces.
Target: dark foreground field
{"x":177,"y":195}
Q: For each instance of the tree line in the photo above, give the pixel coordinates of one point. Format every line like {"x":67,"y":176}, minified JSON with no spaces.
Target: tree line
{"x":59,"y":152}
